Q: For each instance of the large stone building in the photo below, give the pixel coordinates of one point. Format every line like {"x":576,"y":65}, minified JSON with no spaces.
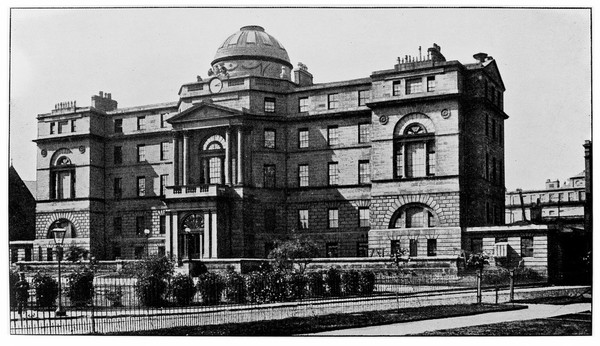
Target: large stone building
{"x":403,"y":158}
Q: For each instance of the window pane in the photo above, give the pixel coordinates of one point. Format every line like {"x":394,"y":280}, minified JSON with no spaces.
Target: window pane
{"x":269,"y":105}
{"x":141,"y":123}
{"x":413,"y":86}
{"x":303,"y":175}
{"x":163,"y":183}
{"x":141,"y":149}
{"x":430,"y":83}
{"x":270,"y":139}
{"x":430,"y":158}
{"x":363,"y":214}
{"x":431,"y":247}
{"x":396,"y":88}
{"x":332,"y":249}
{"x":214,"y":170}
{"x":332,"y":135}
{"x":303,"y":218}
{"x":415,"y":217}
{"x":303,"y":104}
{"x":141,"y":186}
{"x":363,"y":97}
{"x":415,"y":159}
{"x":333,"y":218}
{"x":333,"y":101}
{"x":399,"y":161}
{"x":364,"y":133}
{"x":527,"y":246}
{"x":303,"y":138}
{"x":118,"y":125}
{"x":333,"y":173}
{"x":413,"y":246}
{"x":364,"y":172}
{"x":269,"y":176}
{"x":164,"y":150}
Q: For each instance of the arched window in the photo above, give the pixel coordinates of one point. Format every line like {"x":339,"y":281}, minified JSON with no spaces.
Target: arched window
{"x":62,"y":178}
{"x":414,"y":216}
{"x":213,"y":160}
{"x":414,"y":151}
{"x":193,"y":222}
{"x":62,"y":223}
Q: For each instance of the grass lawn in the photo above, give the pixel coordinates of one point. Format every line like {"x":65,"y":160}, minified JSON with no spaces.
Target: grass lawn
{"x":557,"y":300}
{"x":572,"y":324}
{"x":298,"y":325}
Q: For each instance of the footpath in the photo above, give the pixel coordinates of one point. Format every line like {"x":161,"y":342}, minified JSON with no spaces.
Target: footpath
{"x":533,"y":311}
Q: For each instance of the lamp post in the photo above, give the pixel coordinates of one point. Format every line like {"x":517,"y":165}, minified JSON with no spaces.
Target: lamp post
{"x":147,"y":234}
{"x":59,"y":238}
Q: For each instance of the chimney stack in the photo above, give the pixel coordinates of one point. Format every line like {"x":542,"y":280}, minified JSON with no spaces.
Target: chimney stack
{"x":481,"y":57}
{"x":104,"y":102}
{"x":301,"y":75}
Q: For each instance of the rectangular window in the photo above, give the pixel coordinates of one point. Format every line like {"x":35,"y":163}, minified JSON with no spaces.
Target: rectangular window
{"x":399,"y":167}
{"x":162,"y":224}
{"x":414,"y":86}
{"x":303,"y":175}
{"x":141,"y":153}
{"x":138,"y":252}
{"x":333,"y":218}
{"x":332,"y":249}
{"x":118,"y":155}
{"x":269,"y":176}
{"x":163,"y":183}
{"x":118,"y":225}
{"x":52,"y":126}
{"x":270,"y":220}
{"x":62,"y":125}
{"x":49,"y":254}
{"x":395,"y":247}
{"x":430,"y":83}
{"x":303,"y":138}
{"x":476,"y":245}
{"x":363,"y":217}
{"x":163,"y":120}
{"x":526,"y":246}
{"x":140,"y":224}
{"x":141,"y":123}
{"x":362,"y":249}
{"x":303,"y":218}
{"x":333,"y":135}
{"x":118,"y":125}
{"x":161,"y":251}
{"x":364,"y":132}
{"x":396,"y":91}
{"x":364,"y":172}
{"x":303,"y":104}
{"x":117,"y":188}
{"x":431,"y":158}
{"x":73,"y":126}
{"x":165,"y":150}
{"x":363,"y":97}
{"x":431,"y":247}
{"x":141,"y":186}
{"x":413,"y":247}
{"x":269,"y":105}
{"x":332,"y":101}
{"x":333,"y":173}
{"x":269,"y":138}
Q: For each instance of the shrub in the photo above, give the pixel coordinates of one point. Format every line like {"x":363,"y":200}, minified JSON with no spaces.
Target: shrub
{"x":316,"y":284}
{"x":297,"y":285}
{"x":152,"y":276}
{"x":81,"y":287}
{"x":210,"y":286}
{"x":366,"y":282}
{"x":527,"y":274}
{"x":13,"y":278}
{"x":297,"y":250}
{"x":46,"y":289}
{"x":496,"y":276}
{"x":258,"y":287}
{"x":350,"y":282}
{"x":278,"y":286}
{"x":235,"y":287}
{"x":114,"y":297}
{"x":333,"y":281}
{"x":183,"y":289}
{"x":76,"y":253}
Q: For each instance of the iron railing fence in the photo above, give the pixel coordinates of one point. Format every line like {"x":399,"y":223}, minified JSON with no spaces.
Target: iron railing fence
{"x":120,"y":304}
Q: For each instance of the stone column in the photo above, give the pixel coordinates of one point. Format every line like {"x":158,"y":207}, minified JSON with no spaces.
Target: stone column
{"x":213,"y":240}
{"x":175,"y":232}
{"x":175,"y":159}
{"x":186,"y":139}
{"x":168,"y":235}
{"x":227,"y":156}
{"x":205,"y":236}
{"x":240,"y":174}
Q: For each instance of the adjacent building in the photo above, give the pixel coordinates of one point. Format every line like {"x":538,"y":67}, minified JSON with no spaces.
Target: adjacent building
{"x":407,"y":157}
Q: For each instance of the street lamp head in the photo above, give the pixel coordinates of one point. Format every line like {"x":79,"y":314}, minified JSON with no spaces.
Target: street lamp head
{"x":59,"y":235}
{"x":147,"y":232}
{"x":187,"y":230}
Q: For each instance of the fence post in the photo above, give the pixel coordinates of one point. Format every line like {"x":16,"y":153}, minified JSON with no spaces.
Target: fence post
{"x":496,"y":289}
{"x":511,"y":276}
{"x":479,"y":287}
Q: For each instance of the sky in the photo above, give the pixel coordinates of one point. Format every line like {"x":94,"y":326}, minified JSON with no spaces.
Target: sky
{"x":143,"y":56}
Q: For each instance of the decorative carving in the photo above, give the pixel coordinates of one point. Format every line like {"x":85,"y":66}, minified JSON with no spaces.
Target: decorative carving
{"x":44,"y":152}
{"x":445,"y":113}
{"x":383,"y":119}
{"x":82,"y":149}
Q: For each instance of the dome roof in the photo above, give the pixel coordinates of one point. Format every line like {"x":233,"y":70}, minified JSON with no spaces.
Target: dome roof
{"x":252,"y":42}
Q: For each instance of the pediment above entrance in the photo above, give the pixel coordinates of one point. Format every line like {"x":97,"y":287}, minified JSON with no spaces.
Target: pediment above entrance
{"x":203,"y":114}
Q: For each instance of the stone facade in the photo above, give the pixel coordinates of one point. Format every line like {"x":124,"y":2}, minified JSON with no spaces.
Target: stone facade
{"x":249,"y":156}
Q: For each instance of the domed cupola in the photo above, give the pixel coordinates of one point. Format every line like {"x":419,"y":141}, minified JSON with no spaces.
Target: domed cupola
{"x":252,"y":51}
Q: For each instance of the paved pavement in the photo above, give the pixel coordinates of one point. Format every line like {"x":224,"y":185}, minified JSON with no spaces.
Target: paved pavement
{"x":533,"y":311}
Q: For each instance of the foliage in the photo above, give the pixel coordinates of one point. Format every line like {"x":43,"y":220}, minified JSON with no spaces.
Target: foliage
{"x":235,"y":287}
{"x":366,"y":282}
{"x":399,"y":256}
{"x":297,"y":283}
{"x":295,"y":252}
{"x":210,"y":286}
{"x":478,"y":260}
{"x":13,"y":278}
{"x":81,"y":287}
{"x":316,"y":284}
{"x":183,"y":289}
{"x":115,"y":297}
{"x":333,"y":281}
{"x":495,"y":276}
{"x":258,"y":287}
{"x":152,"y":276}
{"x":76,"y":253}
{"x":350,"y":282}
{"x":46,"y":289}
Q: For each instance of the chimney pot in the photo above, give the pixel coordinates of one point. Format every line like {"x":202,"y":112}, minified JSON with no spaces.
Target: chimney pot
{"x":101,"y":94}
{"x":480,"y":57}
